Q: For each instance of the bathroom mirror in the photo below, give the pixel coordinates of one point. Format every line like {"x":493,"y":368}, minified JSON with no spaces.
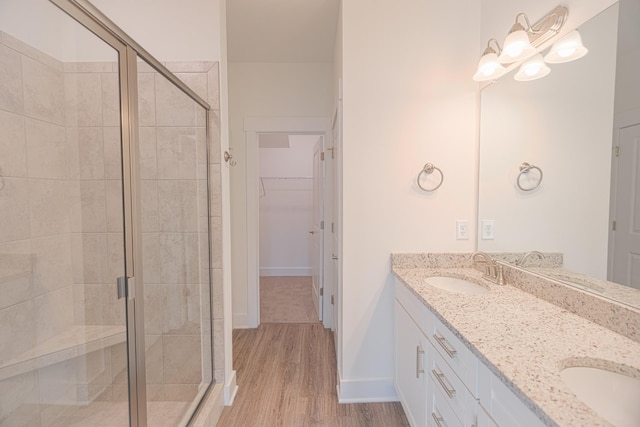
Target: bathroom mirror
{"x":563,"y":125}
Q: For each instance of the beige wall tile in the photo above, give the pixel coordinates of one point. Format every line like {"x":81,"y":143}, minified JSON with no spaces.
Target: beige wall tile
{"x":151,"y":257}
{"x":91,"y":150}
{"x":215,"y":190}
{"x":218,"y":346}
{"x":173,"y":107}
{"x":95,"y":367}
{"x":16,"y":272}
{"x":177,"y":153}
{"x":148,"y":161}
{"x":177,"y":206}
{"x":43,"y":92}
{"x":182,"y":359}
{"x":179,"y":392}
{"x":57,"y":384}
{"x":110,"y":99}
{"x":154,"y":307}
{"x":115,"y":257}
{"x":13,"y":146}
{"x":218,"y":296}
{"x":197,"y":82}
{"x":102,"y":306}
{"x":47,"y":150}
{"x":88,"y":67}
{"x":11,"y":94}
{"x":119,"y":364}
{"x":18,"y":331}
{"x":213,"y":85}
{"x":93,"y":206}
{"x":182,"y":309}
{"x":53,"y":313}
{"x":83,"y":103}
{"x":149,"y":206}
{"x":216,"y":246}
{"x":153,"y":358}
{"x":114,"y":206}
{"x":14,"y":205}
{"x":147,"y":98}
{"x":112,"y":153}
{"x":49,"y":207}
{"x":179,"y":258}
{"x":214,"y":132}
{"x":92,"y":249}
{"x":52,"y":269}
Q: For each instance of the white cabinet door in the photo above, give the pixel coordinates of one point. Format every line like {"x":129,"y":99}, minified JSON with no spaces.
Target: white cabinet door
{"x":411,"y":361}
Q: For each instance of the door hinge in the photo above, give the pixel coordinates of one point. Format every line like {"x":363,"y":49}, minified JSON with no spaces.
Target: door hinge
{"x":125,"y":287}
{"x":331,"y":299}
{"x":613,"y":226}
{"x":322,"y":156}
{"x":332,"y":227}
{"x":321,"y":225}
{"x":332,"y":151}
{"x":321,"y":291}
{"x":617,"y":151}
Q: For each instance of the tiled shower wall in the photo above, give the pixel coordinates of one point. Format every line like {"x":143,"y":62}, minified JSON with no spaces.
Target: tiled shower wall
{"x":62,"y":122}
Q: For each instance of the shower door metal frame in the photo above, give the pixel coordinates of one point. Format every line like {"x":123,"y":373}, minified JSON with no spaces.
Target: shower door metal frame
{"x":128,"y":53}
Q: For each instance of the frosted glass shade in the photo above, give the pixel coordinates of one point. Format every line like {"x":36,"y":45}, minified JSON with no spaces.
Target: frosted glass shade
{"x":489,"y":68}
{"x":516,"y":46}
{"x":532,"y":69}
{"x":568,"y":48}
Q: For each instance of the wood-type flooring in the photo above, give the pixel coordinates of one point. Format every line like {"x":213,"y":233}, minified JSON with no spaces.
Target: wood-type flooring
{"x":287,"y":377}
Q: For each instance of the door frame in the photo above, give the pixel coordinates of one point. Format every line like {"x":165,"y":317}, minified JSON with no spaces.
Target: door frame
{"x":252,"y":127}
{"x":621,"y":121}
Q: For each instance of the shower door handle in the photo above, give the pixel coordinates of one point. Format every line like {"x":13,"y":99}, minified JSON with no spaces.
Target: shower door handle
{"x":126,"y":287}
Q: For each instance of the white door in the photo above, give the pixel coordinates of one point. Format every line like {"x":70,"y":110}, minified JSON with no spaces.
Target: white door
{"x":336,"y":226}
{"x":626,"y":237}
{"x":317,"y":226}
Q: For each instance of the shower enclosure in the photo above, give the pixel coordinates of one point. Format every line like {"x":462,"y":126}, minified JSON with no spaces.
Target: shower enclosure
{"x":105,"y":275}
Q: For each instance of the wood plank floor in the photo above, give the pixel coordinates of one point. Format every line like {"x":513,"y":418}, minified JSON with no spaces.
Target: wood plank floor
{"x":287,"y":377}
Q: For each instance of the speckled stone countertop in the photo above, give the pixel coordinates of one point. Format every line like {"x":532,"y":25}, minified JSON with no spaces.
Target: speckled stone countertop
{"x":525,"y":341}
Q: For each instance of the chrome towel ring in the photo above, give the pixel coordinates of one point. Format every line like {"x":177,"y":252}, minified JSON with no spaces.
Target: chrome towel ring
{"x":525,"y":168}
{"x":428,"y":169}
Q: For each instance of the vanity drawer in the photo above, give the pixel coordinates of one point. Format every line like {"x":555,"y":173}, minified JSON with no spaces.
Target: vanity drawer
{"x":451,"y":388}
{"x":455,"y":353}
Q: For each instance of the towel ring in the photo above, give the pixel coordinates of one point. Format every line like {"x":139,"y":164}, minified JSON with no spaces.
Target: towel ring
{"x":524,"y":169}
{"x":428,"y":169}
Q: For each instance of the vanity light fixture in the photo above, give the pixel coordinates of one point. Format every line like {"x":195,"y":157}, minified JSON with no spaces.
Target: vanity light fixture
{"x":568,"y":48}
{"x":521,"y":43}
{"x":489,"y":68}
{"x":532,"y":69}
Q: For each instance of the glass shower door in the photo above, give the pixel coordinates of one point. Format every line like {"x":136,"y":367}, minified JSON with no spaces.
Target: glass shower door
{"x":63,"y":350}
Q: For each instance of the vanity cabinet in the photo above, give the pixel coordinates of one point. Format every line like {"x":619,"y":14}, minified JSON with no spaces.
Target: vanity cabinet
{"x":439,"y":380}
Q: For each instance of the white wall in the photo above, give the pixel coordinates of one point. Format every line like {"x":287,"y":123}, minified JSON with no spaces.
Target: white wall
{"x":187,"y":30}
{"x":286,"y":207}
{"x":265,"y":90}
{"x":408,"y":99}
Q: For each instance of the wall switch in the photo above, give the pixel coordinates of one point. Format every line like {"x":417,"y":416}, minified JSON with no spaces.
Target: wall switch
{"x":462,"y":230}
{"x":488,"y":229}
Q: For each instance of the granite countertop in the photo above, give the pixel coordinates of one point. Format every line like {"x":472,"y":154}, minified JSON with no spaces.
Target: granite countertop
{"x":526,"y":341}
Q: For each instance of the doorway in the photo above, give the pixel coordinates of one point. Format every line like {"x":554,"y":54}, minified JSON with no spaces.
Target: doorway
{"x":315,"y":128}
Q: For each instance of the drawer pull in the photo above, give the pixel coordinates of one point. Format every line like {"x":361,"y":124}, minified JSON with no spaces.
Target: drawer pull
{"x":445,"y":345}
{"x":442,"y":379}
{"x":438,"y":420}
{"x":419,"y":368}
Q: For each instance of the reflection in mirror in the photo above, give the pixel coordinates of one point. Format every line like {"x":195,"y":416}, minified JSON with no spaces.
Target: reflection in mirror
{"x":563,"y":124}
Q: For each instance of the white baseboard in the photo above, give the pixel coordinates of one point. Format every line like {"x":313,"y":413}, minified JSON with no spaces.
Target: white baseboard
{"x":367,"y":390}
{"x":240,"y":321}
{"x":230,"y":389}
{"x":285,"y":271}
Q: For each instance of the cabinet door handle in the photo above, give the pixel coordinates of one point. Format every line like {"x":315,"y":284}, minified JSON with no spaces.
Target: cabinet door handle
{"x":451,"y":351}
{"x":419,"y":368}
{"x":438,"y":420}
{"x":444,"y":382}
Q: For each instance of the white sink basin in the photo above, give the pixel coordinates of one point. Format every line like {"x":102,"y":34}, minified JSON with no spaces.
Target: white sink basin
{"x":613,"y":396}
{"x":458,"y":286}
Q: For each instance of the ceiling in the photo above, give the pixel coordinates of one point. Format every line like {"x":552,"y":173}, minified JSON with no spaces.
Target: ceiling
{"x":281,"y":30}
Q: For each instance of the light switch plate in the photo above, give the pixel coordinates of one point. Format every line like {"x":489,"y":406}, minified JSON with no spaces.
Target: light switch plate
{"x":462,"y":230}
{"x":488,"y":229}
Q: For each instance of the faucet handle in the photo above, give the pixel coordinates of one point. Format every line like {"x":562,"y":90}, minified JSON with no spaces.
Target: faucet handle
{"x":500,"y":275}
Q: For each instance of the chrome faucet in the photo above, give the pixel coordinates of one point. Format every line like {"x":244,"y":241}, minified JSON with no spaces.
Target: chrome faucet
{"x":491,"y":269}
{"x":522,"y":262}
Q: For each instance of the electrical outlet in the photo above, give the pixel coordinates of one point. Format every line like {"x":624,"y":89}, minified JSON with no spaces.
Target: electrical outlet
{"x":488,"y":229}
{"x":462,"y":230}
